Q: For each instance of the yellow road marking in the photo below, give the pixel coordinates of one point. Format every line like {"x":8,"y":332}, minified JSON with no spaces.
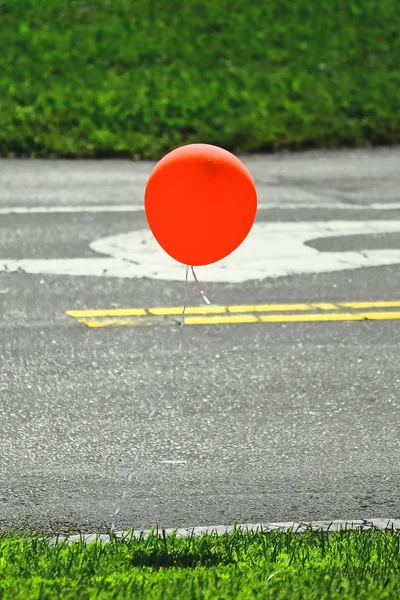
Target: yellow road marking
{"x":191,"y":310}
{"x":305,"y":312}
{"x":326,"y":306}
{"x":118,"y":312}
{"x":274,"y":319}
{"x":204,"y":310}
{"x":115,"y":323}
{"x":251,"y":308}
{"x":242,"y":319}
{"x":374,"y":304}
{"x":230,"y":309}
{"x":223,"y":320}
{"x":382,"y":316}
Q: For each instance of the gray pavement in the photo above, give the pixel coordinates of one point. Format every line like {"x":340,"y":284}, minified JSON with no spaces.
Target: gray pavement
{"x":261,"y":423}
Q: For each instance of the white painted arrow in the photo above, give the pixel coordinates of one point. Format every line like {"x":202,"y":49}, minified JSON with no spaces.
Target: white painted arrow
{"x":271,"y":250}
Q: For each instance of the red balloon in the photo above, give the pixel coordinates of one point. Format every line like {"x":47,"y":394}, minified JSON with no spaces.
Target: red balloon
{"x":200,"y":203}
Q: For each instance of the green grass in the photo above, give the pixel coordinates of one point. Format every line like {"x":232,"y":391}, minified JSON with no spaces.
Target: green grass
{"x":345,"y":565}
{"x":140,"y":77}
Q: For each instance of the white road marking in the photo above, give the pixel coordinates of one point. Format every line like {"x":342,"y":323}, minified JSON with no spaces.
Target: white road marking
{"x":89,"y":208}
{"x":132,"y":208}
{"x":271,"y":250}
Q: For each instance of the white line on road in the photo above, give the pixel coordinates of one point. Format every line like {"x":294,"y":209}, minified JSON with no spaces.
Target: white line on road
{"x":131,"y":208}
{"x":46,"y":210}
{"x":272,"y":249}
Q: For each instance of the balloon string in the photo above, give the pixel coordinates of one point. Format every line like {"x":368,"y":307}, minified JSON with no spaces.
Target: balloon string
{"x":135,"y":463}
{"x":201,"y":291}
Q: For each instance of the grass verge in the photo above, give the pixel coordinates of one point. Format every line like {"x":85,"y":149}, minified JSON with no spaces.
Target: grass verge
{"x":345,"y":565}
{"x":137,"y":77}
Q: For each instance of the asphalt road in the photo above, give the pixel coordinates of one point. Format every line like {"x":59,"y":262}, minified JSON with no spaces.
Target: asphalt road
{"x":262,"y":422}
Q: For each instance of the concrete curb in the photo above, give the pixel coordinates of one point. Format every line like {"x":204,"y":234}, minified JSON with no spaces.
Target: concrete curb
{"x":295,"y":526}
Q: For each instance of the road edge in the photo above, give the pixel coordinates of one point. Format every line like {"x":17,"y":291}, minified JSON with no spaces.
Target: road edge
{"x":295,"y":526}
